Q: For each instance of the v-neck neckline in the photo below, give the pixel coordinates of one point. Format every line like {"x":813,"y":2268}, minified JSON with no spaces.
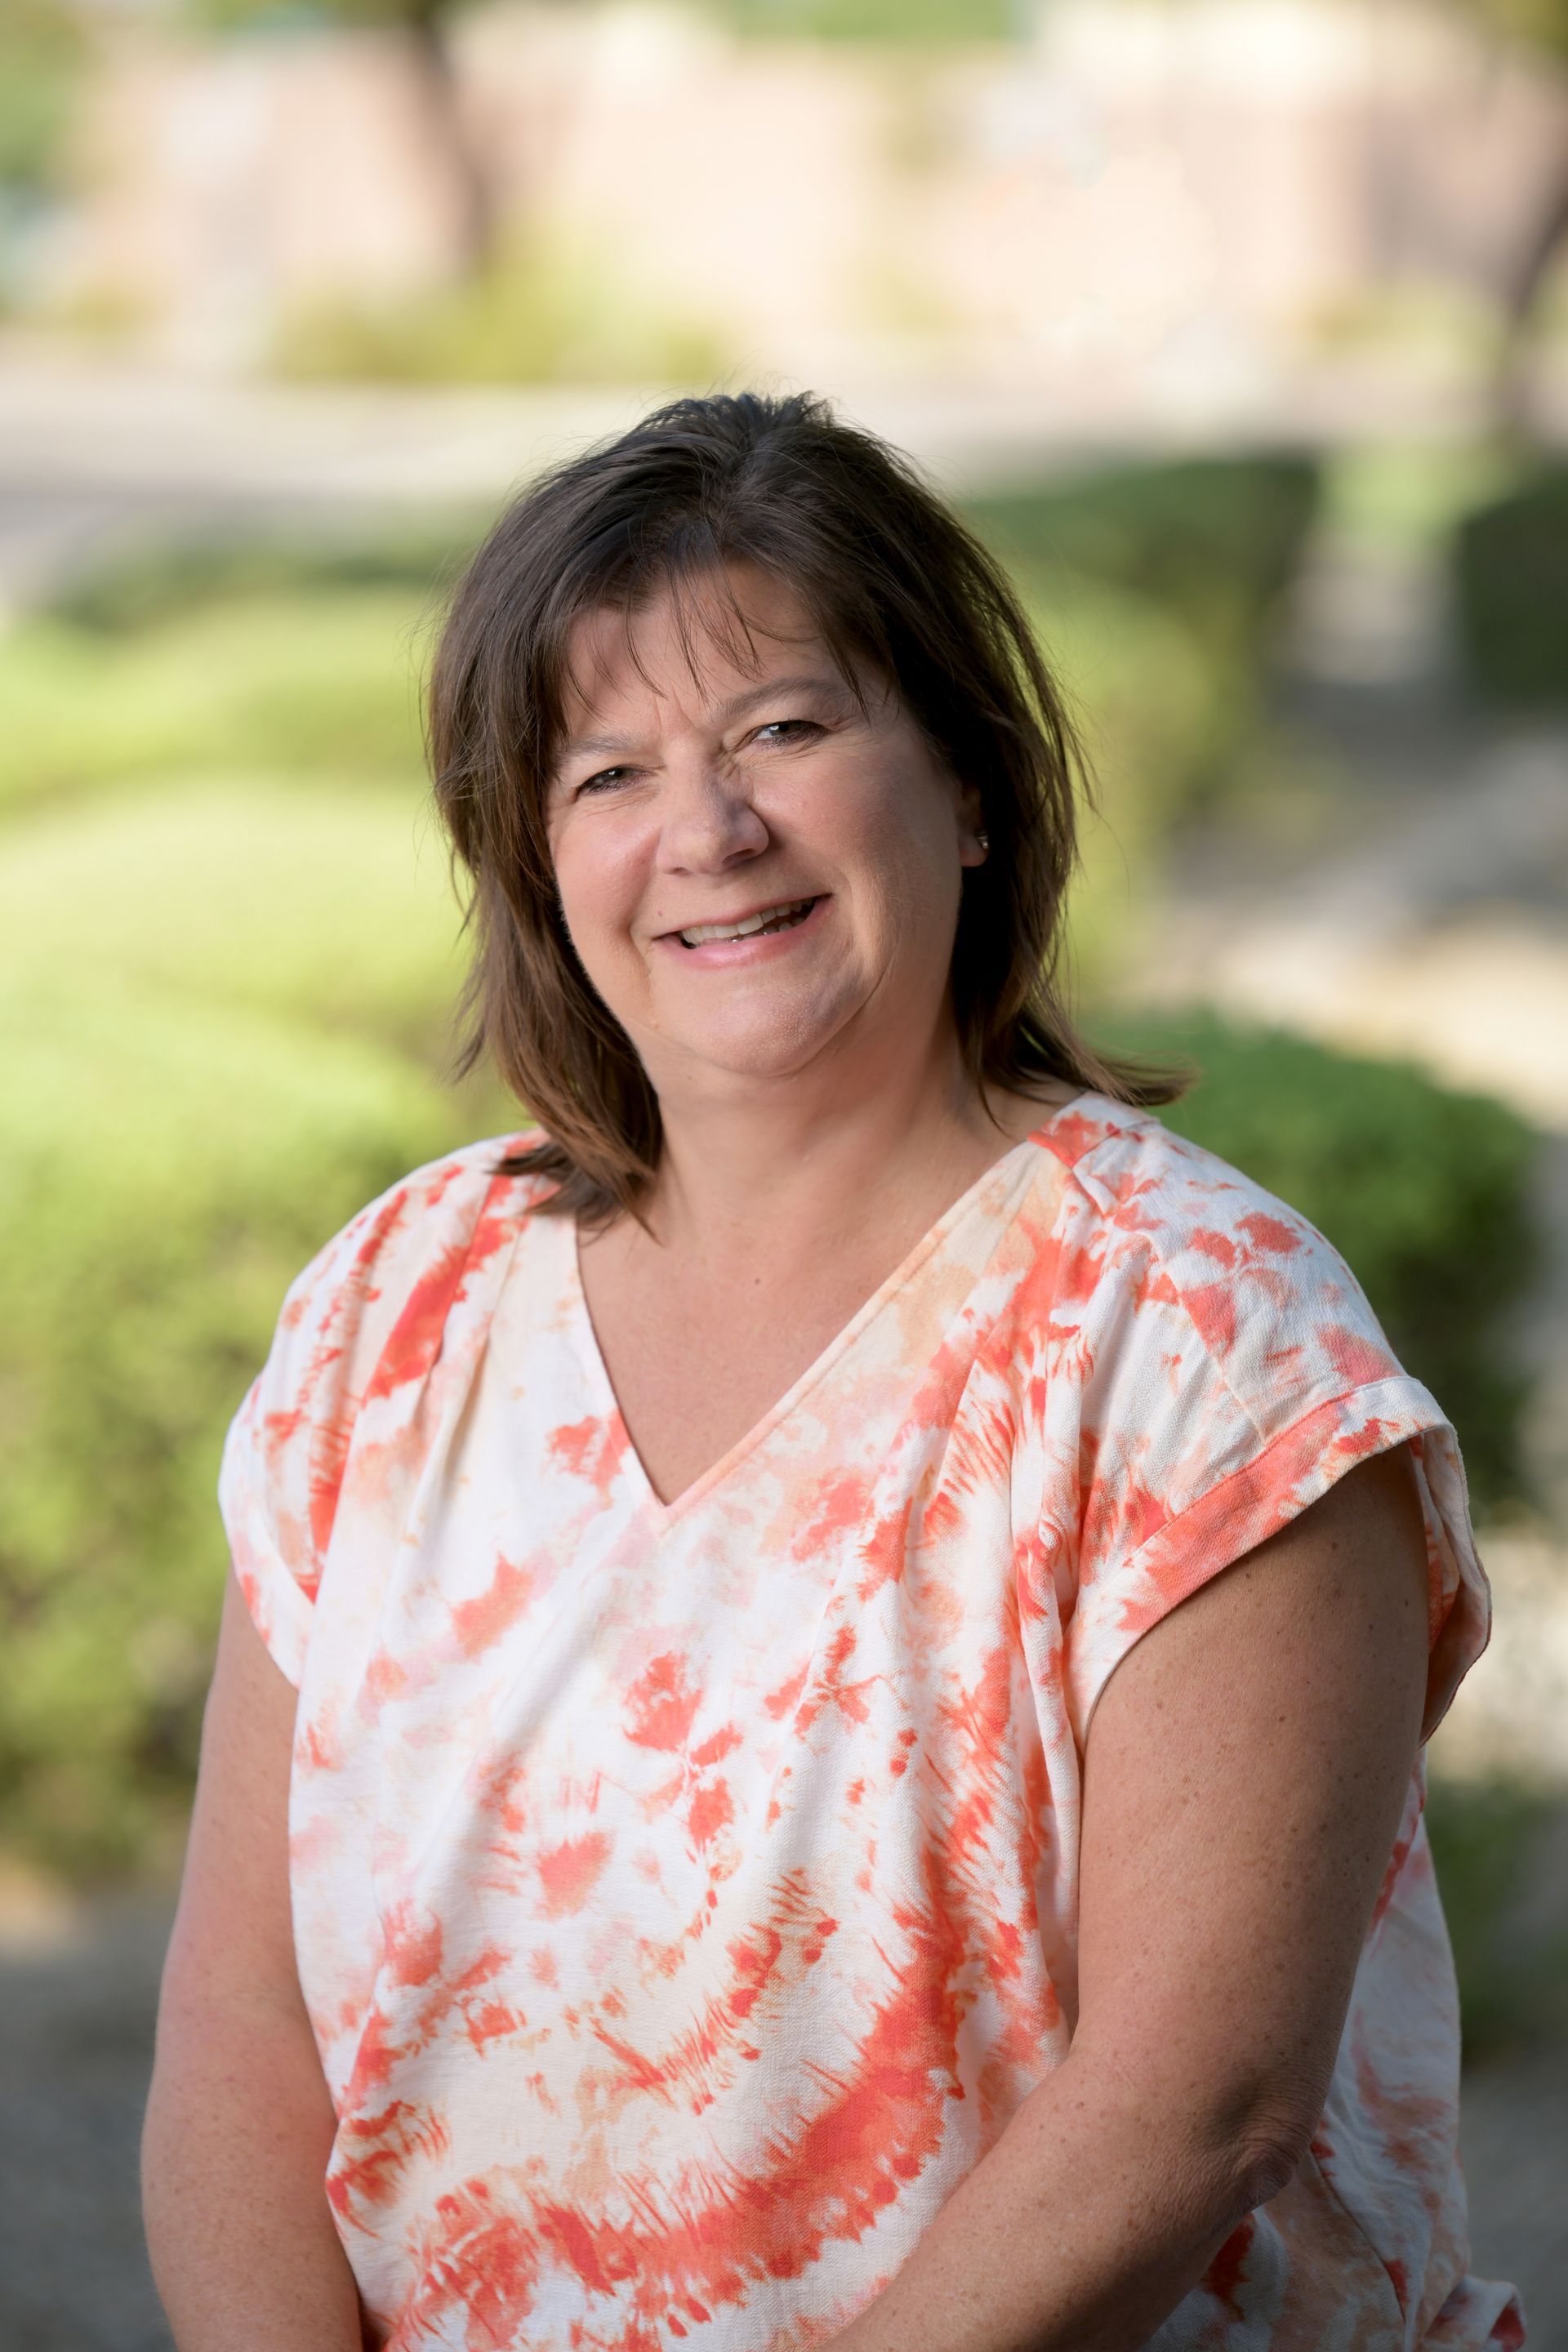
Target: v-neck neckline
{"x":665,"y":1514}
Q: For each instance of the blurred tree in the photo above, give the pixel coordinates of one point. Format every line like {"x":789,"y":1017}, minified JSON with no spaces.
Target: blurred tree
{"x":1544,"y":22}
{"x":41,"y":53}
{"x":41,"y":50}
{"x":1542,"y":25}
{"x":426,"y":25}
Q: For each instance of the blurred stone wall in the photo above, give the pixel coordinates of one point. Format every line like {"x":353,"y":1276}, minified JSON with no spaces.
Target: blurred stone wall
{"x":219,"y":183}
{"x":1137,"y":182}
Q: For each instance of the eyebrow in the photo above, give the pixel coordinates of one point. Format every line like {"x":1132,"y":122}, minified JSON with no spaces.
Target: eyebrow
{"x":805,"y":682}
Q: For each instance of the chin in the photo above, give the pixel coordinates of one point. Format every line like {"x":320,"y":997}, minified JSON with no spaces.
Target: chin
{"x":778,"y":1047}
{"x":767,"y":1058}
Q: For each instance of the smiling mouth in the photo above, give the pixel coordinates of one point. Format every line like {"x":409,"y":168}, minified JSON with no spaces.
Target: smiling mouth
{"x":782,"y":918}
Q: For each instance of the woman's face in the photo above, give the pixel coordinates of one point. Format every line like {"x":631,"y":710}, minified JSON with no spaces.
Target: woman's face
{"x":754,"y":873}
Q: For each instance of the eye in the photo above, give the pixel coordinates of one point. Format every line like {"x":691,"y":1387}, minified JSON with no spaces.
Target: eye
{"x":786,"y":731}
{"x":606,"y":780}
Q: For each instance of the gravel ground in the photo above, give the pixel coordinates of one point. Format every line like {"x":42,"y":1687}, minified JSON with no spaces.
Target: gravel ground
{"x":76,"y":2034}
{"x":75,"y":2050}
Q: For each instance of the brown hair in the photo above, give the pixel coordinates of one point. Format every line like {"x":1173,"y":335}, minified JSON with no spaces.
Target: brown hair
{"x":893,"y":583}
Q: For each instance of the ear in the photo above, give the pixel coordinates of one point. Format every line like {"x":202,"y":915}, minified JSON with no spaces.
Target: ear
{"x":973,"y":845}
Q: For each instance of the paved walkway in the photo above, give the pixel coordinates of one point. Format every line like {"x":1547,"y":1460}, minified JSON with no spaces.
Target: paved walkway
{"x":93,"y":446}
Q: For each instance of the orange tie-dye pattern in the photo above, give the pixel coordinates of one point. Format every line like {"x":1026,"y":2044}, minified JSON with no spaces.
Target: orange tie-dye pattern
{"x":685,"y":1894}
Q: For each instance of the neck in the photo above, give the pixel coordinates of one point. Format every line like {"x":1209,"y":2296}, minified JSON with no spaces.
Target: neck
{"x":807,"y":1160}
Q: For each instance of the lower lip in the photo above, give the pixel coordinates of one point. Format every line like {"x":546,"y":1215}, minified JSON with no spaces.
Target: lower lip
{"x":757,"y":947}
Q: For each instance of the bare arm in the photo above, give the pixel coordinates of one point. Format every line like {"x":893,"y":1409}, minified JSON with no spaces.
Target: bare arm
{"x":1246,"y":1769}
{"x":239,"y":2122}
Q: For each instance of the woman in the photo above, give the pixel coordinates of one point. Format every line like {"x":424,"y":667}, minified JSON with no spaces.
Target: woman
{"x":846,"y":1625}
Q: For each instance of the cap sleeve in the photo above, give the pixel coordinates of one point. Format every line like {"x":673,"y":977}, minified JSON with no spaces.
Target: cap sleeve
{"x":359,"y":1327}
{"x":1233,"y":1371}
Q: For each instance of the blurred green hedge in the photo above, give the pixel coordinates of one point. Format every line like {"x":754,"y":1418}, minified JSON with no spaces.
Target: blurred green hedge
{"x":1155,"y":590}
{"x":217,"y":1010}
{"x":1204,"y":546}
{"x":293,"y":683}
{"x":1511,"y":591}
{"x":1491,"y":1841}
{"x":142,"y":1261}
{"x":1214,"y":539}
{"x":1425,"y":1194}
{"x":152,"y":579}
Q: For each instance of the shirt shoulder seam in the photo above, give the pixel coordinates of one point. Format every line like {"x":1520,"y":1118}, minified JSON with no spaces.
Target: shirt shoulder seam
{"x":1076,"y":1170}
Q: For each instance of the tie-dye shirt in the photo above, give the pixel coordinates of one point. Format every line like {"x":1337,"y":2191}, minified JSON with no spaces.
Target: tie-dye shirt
{"x":684,"y":1894}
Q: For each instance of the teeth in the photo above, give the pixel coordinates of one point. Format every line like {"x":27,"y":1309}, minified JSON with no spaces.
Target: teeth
{"x":770,"y":919}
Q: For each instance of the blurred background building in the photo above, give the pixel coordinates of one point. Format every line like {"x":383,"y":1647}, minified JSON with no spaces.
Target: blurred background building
{"x":1199,"y":193}
{"x":1239,"y":327}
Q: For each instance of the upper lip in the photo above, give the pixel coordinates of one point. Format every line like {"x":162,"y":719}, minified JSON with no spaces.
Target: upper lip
{"x":740,"y":914}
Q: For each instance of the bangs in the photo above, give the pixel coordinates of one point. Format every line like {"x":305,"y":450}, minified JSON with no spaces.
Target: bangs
{"x":708,"y":611}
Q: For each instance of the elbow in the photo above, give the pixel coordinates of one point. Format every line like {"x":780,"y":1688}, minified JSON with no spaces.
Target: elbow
{"x":1212,"y":2152}
{"x":1234,"y":2148}
{"x":1263,"y":2163}
{"x":1212,"y":2181}
{"x":1262,"y":2134}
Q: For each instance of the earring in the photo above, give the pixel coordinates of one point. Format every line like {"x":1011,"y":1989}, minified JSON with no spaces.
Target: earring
{"x":984,"y":839}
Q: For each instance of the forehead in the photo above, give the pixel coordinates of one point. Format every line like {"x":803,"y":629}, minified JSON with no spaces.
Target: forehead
{"x":691,"y":639}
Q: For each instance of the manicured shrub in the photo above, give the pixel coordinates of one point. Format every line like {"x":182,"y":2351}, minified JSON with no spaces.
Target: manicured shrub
{"x":325,"y":905}
{"x":1490,"y":1839}
{"x":1213,"y":539}
{"x":1150,"y":704}
{"x":148,"y":581}
{"x":168,"y":1167}
{"x":203,"y":1002}
{"x":44,"y":47}
{"x":1511,"y":591}
{"x":1206,"y":548}
{"x":303,"y":685}
{"x":542,"y":310}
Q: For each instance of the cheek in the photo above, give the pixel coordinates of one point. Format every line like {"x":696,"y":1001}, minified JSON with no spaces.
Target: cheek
{"x":867,"y":815}
{"x":598,"y":878}
{"x":894,"y":833}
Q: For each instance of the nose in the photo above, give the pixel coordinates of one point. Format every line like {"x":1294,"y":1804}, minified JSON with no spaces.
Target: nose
{"x":708,"y":822}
